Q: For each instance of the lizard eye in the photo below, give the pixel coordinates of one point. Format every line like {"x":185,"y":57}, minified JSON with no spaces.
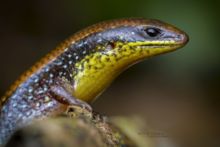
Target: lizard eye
{"x":152,"y":32}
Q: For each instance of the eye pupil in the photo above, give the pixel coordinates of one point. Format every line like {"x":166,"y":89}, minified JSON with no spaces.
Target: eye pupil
{"x":152,"y":32}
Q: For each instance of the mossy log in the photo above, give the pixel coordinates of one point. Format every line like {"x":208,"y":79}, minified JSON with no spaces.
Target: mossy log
{"x":80,"y":127}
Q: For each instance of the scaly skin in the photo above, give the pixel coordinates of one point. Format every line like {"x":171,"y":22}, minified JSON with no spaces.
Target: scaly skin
{"x":82,"y":67}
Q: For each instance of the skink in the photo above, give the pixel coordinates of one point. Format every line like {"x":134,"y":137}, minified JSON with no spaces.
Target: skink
{"x":79,"y":69}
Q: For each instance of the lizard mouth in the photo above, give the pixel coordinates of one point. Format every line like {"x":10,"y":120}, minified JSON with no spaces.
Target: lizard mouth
{"x":169,"y":43}
{"x":162,"y":44}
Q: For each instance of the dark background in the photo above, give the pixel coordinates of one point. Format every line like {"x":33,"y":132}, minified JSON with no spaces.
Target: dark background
{"x":177,"y":93}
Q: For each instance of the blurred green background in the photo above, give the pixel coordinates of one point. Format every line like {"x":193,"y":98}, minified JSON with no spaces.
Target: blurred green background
{"x":177,"y":93}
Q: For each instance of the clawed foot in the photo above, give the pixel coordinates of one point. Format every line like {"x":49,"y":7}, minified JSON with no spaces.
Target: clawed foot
{"x":75,"y":111}
{"x":83,"y":104}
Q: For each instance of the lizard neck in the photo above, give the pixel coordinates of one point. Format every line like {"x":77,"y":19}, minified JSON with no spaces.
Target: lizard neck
{"x":95,"y":72}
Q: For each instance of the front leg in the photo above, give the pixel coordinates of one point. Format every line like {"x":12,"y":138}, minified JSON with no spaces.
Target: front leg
{"x":60,"y":92}
{"x":64,"y":97}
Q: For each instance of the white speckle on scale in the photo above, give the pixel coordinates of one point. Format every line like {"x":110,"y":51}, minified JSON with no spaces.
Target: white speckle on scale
{"x":132,"y":33}
{"x":20,"y":115}
{"x":36,"y":80}
{"x":37,"y":104}
{"x":46,"y":99}
{"x":28,"y":113}
{"x":30,"y":90}
{"x":69,"y":55}
{"x":65,"y":66}
{"x":9,"y":114}
{"x":50,"y":104}
{"x":51,"y":75}
{"x":21,"y":90}
{"x":80,"y":45}
{"x":30,"y":97}
{"x":14,"y":105}
{"x":63,"y":78}
{"x":70,"y":62}
{"x":59,"y":63}
{"x":40,"y":92}
{"x":47,"y":69}
{"x":99,"y":40}
{"x":77,"y":57}
{"x":84,"y":52}
{"x":50,"y":81}
{"x":121,"y":37}
{"x":23,"y":106}
{"x":66,"y":49}
{"x":45,"y":89}
{"x":14,"y":96}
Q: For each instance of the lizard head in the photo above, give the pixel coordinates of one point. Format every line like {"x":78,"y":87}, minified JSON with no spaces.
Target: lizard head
{"x":116,"y":45}
{"x":149,"y":37}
